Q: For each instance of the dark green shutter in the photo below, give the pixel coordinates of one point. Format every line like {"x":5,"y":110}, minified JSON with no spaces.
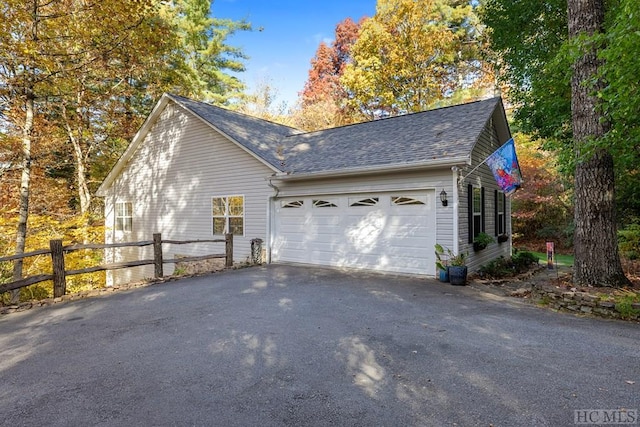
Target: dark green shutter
{"x":497,"y":217}
{"x":470,"y":211}
{"x":482,"y":208}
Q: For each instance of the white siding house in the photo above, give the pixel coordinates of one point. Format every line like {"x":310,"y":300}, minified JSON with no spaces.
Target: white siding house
{"x":361,"y":196}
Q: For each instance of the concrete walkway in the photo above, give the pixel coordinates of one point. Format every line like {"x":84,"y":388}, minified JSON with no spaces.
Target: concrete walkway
{"x":295,"y":346}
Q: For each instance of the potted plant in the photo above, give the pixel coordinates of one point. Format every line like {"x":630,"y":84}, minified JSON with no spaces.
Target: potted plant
{"x":442,"y":263}
{"x":503,"y":238}
{"x":458,"y":269}
{"x":481,"y":241}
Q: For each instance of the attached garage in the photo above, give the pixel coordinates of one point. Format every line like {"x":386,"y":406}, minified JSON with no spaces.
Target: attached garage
{"x":391,"y":231}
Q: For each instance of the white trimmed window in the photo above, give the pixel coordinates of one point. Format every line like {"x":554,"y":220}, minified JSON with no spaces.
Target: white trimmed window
{"x":476,"y":213}
{"x":124,"y":216}
{"x":228,"y":215}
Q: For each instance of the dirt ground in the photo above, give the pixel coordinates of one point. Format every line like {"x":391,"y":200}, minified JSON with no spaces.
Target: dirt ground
{"x":561,"y":276}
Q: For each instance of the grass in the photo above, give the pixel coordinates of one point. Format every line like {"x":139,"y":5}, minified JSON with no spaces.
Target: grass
{"x":566,"y":260}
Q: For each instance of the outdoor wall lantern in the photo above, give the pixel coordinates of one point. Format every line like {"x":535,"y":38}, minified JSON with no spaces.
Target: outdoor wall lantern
{"x":443,"y":198}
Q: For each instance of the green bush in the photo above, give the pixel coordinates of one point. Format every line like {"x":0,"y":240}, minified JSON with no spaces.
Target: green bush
{"x":496,"y":269}
{"x":522,"y":261}
{"x":629,"y":241}
{"x":501,"y":267}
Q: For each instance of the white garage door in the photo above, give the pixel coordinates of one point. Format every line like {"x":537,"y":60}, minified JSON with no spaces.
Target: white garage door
{"x":392,"y":232}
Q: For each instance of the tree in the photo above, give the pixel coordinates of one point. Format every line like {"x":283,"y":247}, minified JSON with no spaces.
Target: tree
{"x":621,"y":101}
{"x":262,"y":103}
{"x":206,"y":55}
{"x":412,"y":54}
{"x":323,"y":99}
{"x":595,"y":242}
{"x":558,"y":82}
{"x":543,"y":207}
{"x":77,"y":78}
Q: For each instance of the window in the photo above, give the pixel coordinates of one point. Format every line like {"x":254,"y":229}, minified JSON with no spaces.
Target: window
{"x":367,"y":201}
{"x":124,"y":216}
{"x":501,"y":215}
{"x":292,"y":204}
{"x":228,"y":215}
{"x":406,"y":200}
{"x":475,"y":202}
{"x":324,"y":204}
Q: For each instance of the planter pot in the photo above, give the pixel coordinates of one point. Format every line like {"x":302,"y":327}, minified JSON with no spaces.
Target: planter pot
{"x":458,"y":275}
{"x":444,"y":275}
{"x":479,"y":246}
{"x":503,"y":238}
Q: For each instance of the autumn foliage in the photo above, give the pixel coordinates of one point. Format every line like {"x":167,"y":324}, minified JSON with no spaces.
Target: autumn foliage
{"x":542,"y":208}
{"x":323,"y":99}
{"x":43,"y":228}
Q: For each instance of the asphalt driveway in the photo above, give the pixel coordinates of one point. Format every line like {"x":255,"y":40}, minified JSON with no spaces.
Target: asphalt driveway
{"x":295,"y":346}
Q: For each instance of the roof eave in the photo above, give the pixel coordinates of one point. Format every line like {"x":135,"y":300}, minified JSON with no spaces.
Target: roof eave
{"x":404,"y":167}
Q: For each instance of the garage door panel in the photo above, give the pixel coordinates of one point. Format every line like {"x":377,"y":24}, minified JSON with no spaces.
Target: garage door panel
{"x":380,"y":236}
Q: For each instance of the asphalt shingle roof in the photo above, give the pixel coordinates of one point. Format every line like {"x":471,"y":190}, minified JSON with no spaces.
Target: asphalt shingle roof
{"x":425,"y":137}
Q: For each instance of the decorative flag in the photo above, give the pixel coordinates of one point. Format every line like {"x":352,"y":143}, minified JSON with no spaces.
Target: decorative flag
{"x":504,"y":165}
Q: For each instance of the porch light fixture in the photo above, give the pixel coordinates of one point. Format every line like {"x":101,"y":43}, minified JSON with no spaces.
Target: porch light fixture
{"x":443,"y":198}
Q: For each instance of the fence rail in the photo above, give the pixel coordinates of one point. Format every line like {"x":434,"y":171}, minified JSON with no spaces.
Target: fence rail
{"x":57,"y":252}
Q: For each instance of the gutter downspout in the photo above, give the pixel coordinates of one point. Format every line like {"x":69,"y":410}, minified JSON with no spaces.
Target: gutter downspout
{"x":456,"y":211}
{"x":270,"y":205}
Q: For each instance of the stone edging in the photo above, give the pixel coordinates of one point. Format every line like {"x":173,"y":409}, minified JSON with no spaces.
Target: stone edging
{"x":578,"y":302}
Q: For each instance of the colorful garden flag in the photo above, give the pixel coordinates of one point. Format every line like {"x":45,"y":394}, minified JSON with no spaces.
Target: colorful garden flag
{"x":504,"y":165}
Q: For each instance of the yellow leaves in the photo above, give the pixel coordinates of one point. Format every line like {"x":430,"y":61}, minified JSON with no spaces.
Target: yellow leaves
{"x":42,"y":229}
{"x":405,"y":55}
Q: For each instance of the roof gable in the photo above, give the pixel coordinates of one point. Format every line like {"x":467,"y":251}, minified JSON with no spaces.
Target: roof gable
{"x":260,"y":137}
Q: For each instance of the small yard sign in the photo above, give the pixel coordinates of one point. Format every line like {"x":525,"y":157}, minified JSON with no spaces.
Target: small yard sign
{"x":550,"y":255}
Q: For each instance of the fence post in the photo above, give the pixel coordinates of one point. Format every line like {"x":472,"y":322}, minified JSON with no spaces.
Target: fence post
{"x":59,"y":275}
{"x":157,"y":255}
{"x":228,"y":246}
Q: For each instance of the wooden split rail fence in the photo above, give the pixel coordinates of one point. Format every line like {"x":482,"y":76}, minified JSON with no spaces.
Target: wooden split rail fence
{"x":58,"y":251}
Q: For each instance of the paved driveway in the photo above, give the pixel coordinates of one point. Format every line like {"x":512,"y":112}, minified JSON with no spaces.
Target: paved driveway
{"x":295,"y":346}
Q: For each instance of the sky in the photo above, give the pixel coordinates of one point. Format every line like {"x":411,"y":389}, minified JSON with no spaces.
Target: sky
{"x":291,"y":31}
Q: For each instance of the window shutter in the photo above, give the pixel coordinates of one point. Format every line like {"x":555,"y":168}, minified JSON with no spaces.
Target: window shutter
{"x":482,"y":208}
{"x":470,"y":211}
{"x":504,"y":217}
{"x":495,"y":207}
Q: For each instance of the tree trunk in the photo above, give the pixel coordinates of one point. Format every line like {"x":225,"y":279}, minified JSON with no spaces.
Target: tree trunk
{"x":25,"y":181}
{"x":597,"y":261}
{"x":79,"y":156}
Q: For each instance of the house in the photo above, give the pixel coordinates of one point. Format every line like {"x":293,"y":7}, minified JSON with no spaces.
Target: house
{"x":364,"y":196}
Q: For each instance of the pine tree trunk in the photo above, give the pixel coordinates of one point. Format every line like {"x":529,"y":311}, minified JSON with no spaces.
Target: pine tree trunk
{"x":597,"y":261}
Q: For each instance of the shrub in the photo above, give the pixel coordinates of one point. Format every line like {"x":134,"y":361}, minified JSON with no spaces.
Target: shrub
{"x":522,"y":261}
{"x":629,"y":241}
{"x":496,"y":269}
{"x":501,"y":267}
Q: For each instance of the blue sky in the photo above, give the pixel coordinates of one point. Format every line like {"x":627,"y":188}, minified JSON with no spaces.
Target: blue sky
{"x":292,"y":31}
